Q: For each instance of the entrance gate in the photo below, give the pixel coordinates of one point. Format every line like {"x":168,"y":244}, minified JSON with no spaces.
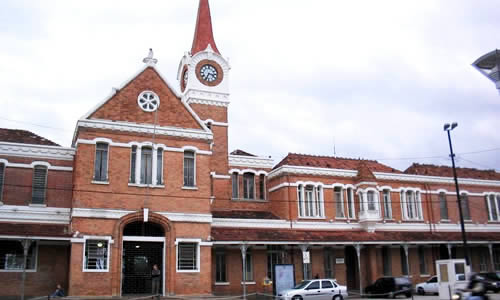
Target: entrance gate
{"x":143,"y":247}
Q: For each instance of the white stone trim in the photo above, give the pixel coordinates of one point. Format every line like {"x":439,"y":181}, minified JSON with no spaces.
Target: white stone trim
{"x":146,"y":128}
{"x":434,"y":179}
{"x":279,"y":186}
{"x":241,"y":172}
{"x":221,"y":124}
{"x":100,"y":213}
{"x":36,"y":151}
{"x":218,"y":176}
{"x":250,"y":223}
{"x":200,"y":97}
{"x":34,"y":214}
{"x":35,"y":163}
{"x":325,"y":243}
{"x":312,"y":171}
{"x":250,"y":161}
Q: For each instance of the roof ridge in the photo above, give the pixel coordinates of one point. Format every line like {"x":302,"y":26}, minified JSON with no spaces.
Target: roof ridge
{"x":335,"y":157}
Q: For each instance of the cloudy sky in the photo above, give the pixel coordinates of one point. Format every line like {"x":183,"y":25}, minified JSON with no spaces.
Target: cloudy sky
{"x":369,"y":79}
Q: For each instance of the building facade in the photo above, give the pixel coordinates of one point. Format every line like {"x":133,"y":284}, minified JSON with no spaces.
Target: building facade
{"x":149,"y":180}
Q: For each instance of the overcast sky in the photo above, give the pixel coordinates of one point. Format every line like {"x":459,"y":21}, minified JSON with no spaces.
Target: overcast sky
{"x":370,"y":79}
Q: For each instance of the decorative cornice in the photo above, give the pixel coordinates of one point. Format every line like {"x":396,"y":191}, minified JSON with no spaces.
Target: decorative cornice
{"x":34,"y":164}
{"x":34,"y":214}
{"x":148,"y":129}
{"x":312,"y":171}
{"x":218,"y":176}
{"x":100,"y":213}
{"x":36,"y":151}
{"x":251,"y":161}
{"x":434,"y":179}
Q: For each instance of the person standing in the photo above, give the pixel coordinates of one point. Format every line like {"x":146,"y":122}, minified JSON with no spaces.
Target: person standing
{"x":155,"y":279}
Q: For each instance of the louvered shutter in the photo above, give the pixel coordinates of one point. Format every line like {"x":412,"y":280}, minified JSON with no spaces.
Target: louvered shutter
{"x":39,"y":184}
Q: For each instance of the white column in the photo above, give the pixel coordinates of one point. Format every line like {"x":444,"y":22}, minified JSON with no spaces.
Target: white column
{"x":303,"y":206}
{"x":405,"y":247}
{"x":138,"y":165}
{"x":358,"y":254}
{"x":153,"y":165}
{"x":449,"y":250}
{"x":243,"y":249}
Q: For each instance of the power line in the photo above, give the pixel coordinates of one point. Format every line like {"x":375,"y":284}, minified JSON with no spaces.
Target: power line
{"x":33,"y":124}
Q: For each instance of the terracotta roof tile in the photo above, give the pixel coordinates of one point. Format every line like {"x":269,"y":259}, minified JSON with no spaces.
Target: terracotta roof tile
{"x":244,"y":214}
{"x":241,"y":152}
{"x":293,"y":159}
{"x":445,"y":171}
{"x":239,"y":234}
{"x":23,"y":137}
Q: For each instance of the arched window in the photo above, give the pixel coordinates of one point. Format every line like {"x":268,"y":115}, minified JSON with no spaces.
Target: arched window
{"x":411,"y":205}
{"x":464,"y":201}
{"x":248,"y":186}
{"x":339,"y":202}
{"x":146,"y":165}
{"x":443,"y":206}
{"x":189,"y":169}
{"x":101,"y":162}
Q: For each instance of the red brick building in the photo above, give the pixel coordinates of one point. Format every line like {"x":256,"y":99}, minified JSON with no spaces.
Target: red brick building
{"x":149,"y":180}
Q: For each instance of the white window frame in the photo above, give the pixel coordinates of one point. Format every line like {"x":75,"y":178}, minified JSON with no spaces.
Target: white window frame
{"x":387,"y":203}
{"x":99,"y":238}
{"x":107,"y":162}
{"x":247,"y":188}
{"x":342,"y":204}
{"x":192,"y":241}
{"x":35,"y":250}
{"x":352,"y":204}
{"x":316,"y":199}
{"x":194,"y":167}
{"x":415,"y":195}
{"x":45,"y":185}
{"x":154,"y":166}
{"x":496,"y":199}
{"x":363,"y":196}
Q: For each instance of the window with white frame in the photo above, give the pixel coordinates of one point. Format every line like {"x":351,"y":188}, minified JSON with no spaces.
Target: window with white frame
{"x":189,"y":169}
{"x":443,"y":206}
{"x":386,"y":198}
{"x":262,"y":187}
{"x":235,"y":185}
{"x":96,"y":255}
{"x":39,"y":185}
{"x":188,"y":256}
{"x":2,"y":173}
{"x":248,"y":186}
{"x":339,"y":202}
{"x":411,"y":205}
{"x":371,"y":200}
{"x":12,"y":255}
{"x":493,"y":205}
{"x":464,"y":201}
{"x":146,"y":165}
{"x":101,"y":162}
{"x":351,"y":212}
{"x":310,"y":201}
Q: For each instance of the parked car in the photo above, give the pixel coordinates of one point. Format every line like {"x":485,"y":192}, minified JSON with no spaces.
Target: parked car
{"x":491,"y":281}
{"x":317,"y":289}
{"x":431,"y":286}
{"x":389,"y":287}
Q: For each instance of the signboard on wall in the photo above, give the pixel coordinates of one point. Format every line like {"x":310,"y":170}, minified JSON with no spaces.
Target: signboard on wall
{"x":306,"y":257}
{"x":339,"y":261}
{"x":284,"y":277}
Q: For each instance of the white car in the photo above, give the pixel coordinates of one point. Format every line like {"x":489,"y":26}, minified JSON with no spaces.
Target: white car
{"x":431,"y":286}
{"x":317,"y":289}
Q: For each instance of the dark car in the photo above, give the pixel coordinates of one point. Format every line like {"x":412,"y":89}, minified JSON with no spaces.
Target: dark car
{"x":490,"y":280}
{"x":389,"y":287}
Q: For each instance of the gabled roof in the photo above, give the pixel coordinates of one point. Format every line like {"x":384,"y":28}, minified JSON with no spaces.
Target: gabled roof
{"x":445,"y":171}
{"x":203,"y":34}
{"x":330,"y":162}
{"x":242,"y":153}
{"x":23,"y":137}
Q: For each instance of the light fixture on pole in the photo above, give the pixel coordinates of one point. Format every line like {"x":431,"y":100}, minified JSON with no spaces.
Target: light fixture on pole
{"x":489,"y":66}
{"x":449,"y":127}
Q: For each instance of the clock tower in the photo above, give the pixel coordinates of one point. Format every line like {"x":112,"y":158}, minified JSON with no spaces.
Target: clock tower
{"x":203,"y":75}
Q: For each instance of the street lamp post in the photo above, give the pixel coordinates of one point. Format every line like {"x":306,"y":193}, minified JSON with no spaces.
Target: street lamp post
{"x":448,"y":128}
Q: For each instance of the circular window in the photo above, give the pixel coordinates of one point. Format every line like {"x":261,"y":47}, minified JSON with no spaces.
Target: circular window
{"x":148,"y":101}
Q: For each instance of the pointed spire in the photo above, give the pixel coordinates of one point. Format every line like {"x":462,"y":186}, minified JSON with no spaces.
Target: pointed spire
{"x":203,"y":34}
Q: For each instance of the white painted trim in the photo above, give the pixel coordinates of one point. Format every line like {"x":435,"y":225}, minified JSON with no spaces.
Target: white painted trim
{"x":250,"y":161}
{"x":218,"y":176}
{"x":241,"y":172}
{"x":207,"y":98}
{"x":100,"y":213}
{"x":279,"y":186}
{"x":187,"y":240}
{"x":324,"y":243}
{"x":143,"y":238}
{"x":285,"y":169}
{"x":250,"y":223}
{"x":222,"y":124}
{"x":35,"y":163}
{"x":34,"y":214}
{"x":147,"y":129}
{"x":434,"y":179}
{"x":222,"y":283}
{"x":36,"y":151}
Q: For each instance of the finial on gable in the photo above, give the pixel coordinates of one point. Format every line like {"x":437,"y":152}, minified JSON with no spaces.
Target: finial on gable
{"x":149,"y":60}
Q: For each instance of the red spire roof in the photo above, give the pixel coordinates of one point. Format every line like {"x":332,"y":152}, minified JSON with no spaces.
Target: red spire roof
{"x":203,"y":34}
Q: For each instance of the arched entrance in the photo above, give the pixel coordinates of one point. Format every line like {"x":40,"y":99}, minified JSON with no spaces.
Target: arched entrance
{"x":143,"y":247}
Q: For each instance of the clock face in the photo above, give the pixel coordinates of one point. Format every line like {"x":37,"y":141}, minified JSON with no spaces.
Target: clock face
{"x":208,"y":73}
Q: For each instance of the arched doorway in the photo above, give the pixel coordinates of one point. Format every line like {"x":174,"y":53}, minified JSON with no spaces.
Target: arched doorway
{"x":143,"y":247}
